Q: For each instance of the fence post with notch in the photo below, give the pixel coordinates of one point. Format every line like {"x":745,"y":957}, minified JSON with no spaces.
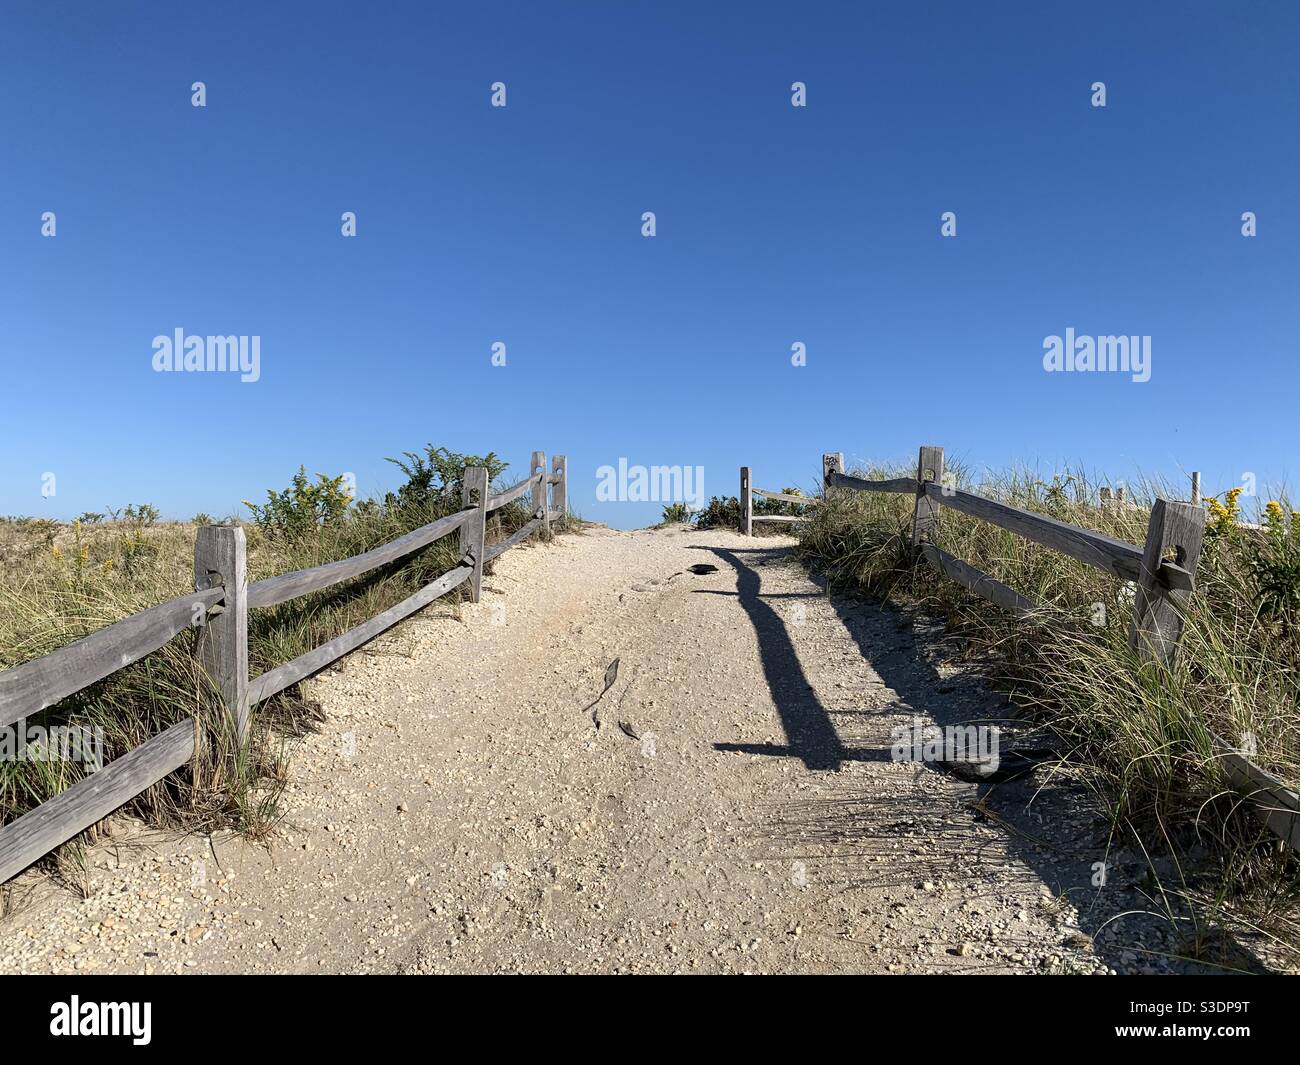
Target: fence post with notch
{"x":474,"y":493}
{"x":221,"y":561}
{"x":541,"y":493}
{"x":1173,"y":535}
{"x":560,"y":489}
{"x":832,"y":462}
{"x":925,"y":519}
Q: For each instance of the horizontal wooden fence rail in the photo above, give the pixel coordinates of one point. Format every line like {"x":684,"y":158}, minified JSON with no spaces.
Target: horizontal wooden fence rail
{"x":1273,"y":802}
{"x":281,"y":589}
{"x":30,"y":688}
{"x":1096,"y":549}
{"x":980,"y":583}
{"x":92,"y":798}
{"x":1163,"y":585}
{"x":902,"y":485}
{"x":519,"y":536}
{"x":219,"y":609}
{"x":783,"y":498}
{"x":279,"y":678}
{"x":509,"y":495}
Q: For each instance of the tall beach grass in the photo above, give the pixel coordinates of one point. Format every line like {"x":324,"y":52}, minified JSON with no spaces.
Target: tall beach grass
{"x":61,"y":582}
{"x":1140,"y":736}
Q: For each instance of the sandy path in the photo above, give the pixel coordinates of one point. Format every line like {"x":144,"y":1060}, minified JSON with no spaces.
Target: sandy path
{"x":460,"y":811}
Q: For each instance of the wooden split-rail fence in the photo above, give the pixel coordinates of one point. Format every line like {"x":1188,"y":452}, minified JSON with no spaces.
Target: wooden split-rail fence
{"x":747,"y":493}
{"x":1162,"y":571}
{"x":219,"y":607}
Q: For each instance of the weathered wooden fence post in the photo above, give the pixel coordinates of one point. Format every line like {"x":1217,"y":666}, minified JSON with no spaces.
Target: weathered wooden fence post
{"x":925,"y":520}
{"x":746,"y":503}
{"x":541,"y":493}
{"x":1196,"y":488}
{"x":473,"y":532}
{"x":1175,"y":530}
{"x":832,"y":462}
{"x":221,"y":561}
{"x":560,"y":490}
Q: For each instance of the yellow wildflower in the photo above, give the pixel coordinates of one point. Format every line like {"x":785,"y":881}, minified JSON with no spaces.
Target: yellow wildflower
{"x":1274,"y":516}
{"x":1223,"y":516}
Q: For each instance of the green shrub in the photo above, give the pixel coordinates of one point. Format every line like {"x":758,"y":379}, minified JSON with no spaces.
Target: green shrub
{"x":303,"y":508}
{"x":1273,"y":560}
{"x":143,"y":515}
{"x":438,"y":476}
{"x":722,"y":512}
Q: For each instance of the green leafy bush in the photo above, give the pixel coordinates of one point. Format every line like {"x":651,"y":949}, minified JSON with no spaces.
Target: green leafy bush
{"x":437,"y":477}
{"x":1273,"y":560}
{"x":143,"y":515}
{"x":301,"y":509}
{"x":723,"y":512}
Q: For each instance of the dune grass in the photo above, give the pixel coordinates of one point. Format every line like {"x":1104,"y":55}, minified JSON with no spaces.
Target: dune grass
{"x":1140,"y":736}
{"x":60,"y":582}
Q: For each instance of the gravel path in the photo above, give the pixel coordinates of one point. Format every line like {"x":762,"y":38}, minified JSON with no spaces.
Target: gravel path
{"x":730,"y":804}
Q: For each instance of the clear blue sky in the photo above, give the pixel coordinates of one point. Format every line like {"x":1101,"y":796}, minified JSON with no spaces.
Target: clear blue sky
{"x":523,"y":225}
